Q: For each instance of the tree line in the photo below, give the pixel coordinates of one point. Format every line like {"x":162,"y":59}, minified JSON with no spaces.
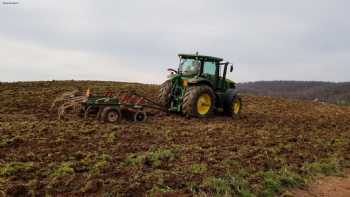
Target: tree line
{"x":338,"y":93}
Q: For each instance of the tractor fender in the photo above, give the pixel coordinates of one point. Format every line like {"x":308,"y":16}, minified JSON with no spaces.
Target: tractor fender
{"x":231,"y":92}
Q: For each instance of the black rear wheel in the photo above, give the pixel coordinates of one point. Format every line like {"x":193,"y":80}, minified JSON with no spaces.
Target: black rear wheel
{"x":165,"y":93}
{"x":232,"y":104}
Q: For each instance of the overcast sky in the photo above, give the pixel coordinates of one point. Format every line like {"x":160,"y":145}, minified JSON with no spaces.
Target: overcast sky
{"x":133,"y":40}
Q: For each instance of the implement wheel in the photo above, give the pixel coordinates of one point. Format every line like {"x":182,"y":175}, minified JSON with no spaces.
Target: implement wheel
{"x":111,"y":115}
{"x":140,"y":116}
{"x":198,"y":101}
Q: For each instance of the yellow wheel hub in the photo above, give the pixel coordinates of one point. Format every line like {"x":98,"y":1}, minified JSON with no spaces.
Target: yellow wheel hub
{"x":203,"y":104}
{"x":236,"y":106}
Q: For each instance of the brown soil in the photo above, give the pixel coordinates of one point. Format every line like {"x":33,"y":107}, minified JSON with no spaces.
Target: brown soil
{"x":168,"y":155}
{"x":330,"y":186}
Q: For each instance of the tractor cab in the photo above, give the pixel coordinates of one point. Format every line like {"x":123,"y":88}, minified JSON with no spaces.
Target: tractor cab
{"x":199,"y":87}
{"x":210,"y":69}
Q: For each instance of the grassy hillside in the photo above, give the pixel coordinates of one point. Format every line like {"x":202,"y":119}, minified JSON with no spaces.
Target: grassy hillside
{"x":277,"y":144}
{"x":338,"y":93}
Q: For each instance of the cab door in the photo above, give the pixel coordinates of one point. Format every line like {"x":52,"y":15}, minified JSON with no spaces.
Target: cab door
{"x":221,"y":84}
{"x":210,"y":71}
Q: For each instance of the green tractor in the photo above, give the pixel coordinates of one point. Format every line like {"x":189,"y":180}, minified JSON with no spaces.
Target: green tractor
{"x":199,"y":88}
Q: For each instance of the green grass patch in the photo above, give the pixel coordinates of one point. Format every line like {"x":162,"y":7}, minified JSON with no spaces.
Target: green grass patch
{"x":198,"y":168}
{"x":226,"y":186}
{"x":217,"y":186}
{"x":330,"y":167}
{"x":153,"y":158}
{"x":275,"y":181}
{"x":101,"y":163}
{"x":5,"y":142}
{"x":111,"y":137}
{"x":16,"y":168}
{"x":65,"y":168}
{"x":134,"y":159}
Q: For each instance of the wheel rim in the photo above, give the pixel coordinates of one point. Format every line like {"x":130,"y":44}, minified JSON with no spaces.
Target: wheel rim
{"x":112,"y":116}
{"x":140,"y":116}
{"x":204,"y":104}
{"x":236,"y":107}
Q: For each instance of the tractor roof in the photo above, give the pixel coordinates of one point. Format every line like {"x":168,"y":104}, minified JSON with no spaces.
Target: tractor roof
{"x":201,"y":57}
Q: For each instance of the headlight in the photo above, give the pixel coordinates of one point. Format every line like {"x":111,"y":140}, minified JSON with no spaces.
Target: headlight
{"x":185,"y":83}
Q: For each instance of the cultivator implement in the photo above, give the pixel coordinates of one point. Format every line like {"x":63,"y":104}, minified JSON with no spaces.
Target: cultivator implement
{"x":73,"y":104}
{"x":108,"y":107}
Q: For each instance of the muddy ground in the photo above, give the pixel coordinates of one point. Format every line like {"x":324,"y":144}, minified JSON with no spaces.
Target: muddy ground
{"x":277,"y":144}
{"x":330,"y":186}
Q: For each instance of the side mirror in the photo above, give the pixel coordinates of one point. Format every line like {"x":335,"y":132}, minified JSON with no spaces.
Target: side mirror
{"x":231,"y":68}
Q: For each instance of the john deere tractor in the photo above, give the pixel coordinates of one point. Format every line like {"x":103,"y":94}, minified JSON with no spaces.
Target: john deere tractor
{"x":199,"y":87}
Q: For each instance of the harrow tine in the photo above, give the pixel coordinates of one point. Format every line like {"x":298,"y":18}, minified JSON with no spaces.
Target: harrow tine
{"x":73,"y":103}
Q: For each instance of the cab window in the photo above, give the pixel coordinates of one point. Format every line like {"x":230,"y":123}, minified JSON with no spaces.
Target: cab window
{"x":189,"y":66}
{"x":209,"y":68}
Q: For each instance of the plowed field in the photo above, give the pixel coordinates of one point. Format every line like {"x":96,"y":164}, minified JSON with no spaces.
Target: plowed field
{"x":277,"y":144}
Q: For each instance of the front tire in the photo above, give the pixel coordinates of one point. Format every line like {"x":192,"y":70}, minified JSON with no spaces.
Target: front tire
{"x":198,"y":101}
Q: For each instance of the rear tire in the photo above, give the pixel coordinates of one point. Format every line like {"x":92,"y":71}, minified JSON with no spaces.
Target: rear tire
{"x":232,"y":104}
{"x":198,"y":101}
{"x":165,"y":93}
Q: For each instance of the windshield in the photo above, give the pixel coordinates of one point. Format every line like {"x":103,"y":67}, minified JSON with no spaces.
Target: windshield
{"x":189,"y":66}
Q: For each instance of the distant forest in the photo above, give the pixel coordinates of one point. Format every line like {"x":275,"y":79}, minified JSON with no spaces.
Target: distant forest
{"x":338,"y":93}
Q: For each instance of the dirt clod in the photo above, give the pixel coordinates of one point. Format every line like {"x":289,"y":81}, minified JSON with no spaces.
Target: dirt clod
{"x":18,"y":190}
{"x":92,"y":186}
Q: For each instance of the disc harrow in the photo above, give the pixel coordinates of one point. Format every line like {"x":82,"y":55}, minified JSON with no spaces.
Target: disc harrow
{"x":108,"y":107}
